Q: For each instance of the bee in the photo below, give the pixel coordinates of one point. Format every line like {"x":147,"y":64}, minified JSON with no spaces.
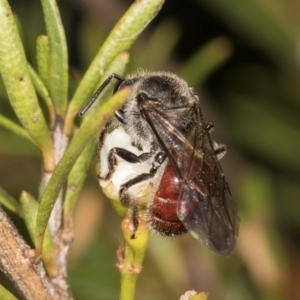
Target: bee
{"x":157,"y":157}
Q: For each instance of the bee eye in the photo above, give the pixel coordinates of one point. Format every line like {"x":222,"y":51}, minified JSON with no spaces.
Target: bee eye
{"x":144,"y":100}
{"x":142,"y":97}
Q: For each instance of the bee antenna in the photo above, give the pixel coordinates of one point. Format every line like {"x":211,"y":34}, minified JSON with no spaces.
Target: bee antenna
{"x":98,"y":92}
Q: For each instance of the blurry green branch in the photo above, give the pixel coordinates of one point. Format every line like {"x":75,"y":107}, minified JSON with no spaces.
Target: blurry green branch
{"x":210,"y":57}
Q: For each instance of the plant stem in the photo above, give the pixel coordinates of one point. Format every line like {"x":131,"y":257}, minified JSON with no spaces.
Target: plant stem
{"x":18,"y":262}
{"x":130,"y":263}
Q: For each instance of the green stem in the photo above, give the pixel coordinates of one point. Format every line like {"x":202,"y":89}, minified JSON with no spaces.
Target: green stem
{"x":135,"y":249}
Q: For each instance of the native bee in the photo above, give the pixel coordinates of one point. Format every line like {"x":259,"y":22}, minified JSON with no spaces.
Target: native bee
{"x":157,"y":157}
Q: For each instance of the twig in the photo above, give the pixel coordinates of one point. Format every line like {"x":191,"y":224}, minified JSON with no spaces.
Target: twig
{"x":62,"y":237}
{"x":17,"y":261}
{"x":130,"y":258}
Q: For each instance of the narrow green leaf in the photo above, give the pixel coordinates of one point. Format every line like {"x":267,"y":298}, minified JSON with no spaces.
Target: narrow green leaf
{"x":5,"y":294}
{"x":21,"y":93}
{"x":10,"y":203}
{"x":43,"y":59}
{"x":58,"y":56}
{"x":84,"y":135}
{"x":78,"y":172}
{"x":30,"y":208}
{"x":76,"y":180}
{"x":120,"y":39}
{"x":15,"y":128}
{"x":206,"y":60}
{"x":43,"y":93}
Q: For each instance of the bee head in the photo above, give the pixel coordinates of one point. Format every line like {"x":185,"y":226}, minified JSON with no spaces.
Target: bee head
{"x":158,"y":95}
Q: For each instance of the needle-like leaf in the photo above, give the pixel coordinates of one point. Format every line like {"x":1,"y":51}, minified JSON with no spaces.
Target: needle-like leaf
{"x":43,"y":93}
{"x":43,"y":59}
{"x":209,"y":57}
{"x":84,"y":135}
{"x":15,"y":128}
{"x":10,"y":203}
{"x":30,"y":208}
{"x":20,"y":90}
{"x":58,"y":80}
{"x":120,"y":39}
{"x":78,"y":173}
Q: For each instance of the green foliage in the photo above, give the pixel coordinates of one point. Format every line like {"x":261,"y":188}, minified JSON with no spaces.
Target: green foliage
{"x":258,"y":109}
{"x":59,"y":158}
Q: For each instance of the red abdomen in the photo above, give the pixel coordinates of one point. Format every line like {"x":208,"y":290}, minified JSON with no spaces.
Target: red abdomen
{"x":163,"y":214}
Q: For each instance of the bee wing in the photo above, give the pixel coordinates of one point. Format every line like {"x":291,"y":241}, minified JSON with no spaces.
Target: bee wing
{"x":207,"y":209}
{"x":205,"y":205}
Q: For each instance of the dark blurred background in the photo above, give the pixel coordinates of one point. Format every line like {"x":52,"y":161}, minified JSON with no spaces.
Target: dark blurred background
{"x":243,"y":59}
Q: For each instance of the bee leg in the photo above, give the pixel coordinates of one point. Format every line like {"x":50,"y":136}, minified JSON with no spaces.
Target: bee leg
{"x":125,"y":155}
{"x":127,"y":200}
{"x":133,"y":212}
{"x":158,"y":160}
{"x":102,"y":137}
{"x":210,"y":126}
{"x":120,"y":116}
{"x":139,"y":146}
{"x":219,"y":150}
